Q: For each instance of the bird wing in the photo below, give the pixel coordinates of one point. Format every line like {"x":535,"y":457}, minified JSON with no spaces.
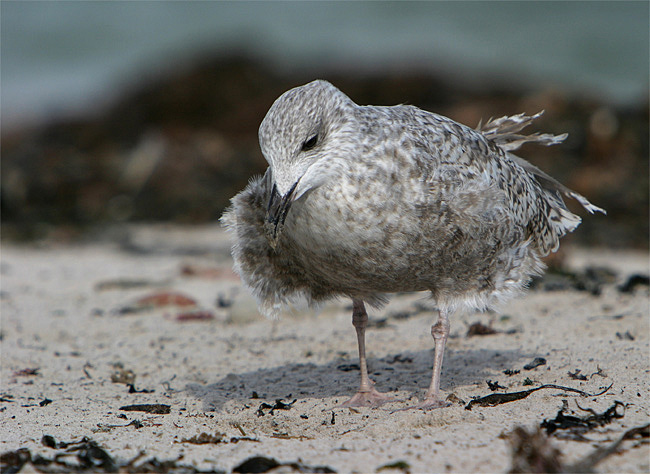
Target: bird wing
{"x":482,"y":158}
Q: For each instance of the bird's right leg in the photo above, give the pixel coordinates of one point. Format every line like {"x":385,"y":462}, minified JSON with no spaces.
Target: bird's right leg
{"x":366,"y":395}
{"x":440,"y":332}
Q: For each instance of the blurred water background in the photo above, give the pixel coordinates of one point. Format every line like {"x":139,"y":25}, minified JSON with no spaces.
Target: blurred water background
{"x":62,"y":57}
{"x":123,"y":111}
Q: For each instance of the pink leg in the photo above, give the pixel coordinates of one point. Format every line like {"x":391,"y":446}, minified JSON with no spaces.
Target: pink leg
{"x":366,"y":395}
{"x":440,"y":332}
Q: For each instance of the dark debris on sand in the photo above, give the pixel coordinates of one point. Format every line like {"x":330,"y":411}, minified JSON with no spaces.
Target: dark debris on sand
{"x":495,"y":399}
{"x":86,"y":456}
{"x":574,"y":427}
{"x":534,"y":452}
{"x":278,"y":405}
{"x":153,"y":408}
{"x":265,"y":464}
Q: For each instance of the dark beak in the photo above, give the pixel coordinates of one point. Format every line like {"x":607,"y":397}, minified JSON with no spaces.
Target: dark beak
{"x":276,"y":214}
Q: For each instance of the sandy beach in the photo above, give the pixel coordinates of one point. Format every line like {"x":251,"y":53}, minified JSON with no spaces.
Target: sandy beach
{"x":156,"y":317}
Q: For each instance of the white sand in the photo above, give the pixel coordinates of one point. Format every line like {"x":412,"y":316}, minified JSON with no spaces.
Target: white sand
{"x":55,"y":319}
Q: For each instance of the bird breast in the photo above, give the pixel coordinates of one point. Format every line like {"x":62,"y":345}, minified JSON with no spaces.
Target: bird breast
{"x":376,"y":228}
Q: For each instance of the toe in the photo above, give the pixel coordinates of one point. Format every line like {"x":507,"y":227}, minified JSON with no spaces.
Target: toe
{"x":371,"y":398}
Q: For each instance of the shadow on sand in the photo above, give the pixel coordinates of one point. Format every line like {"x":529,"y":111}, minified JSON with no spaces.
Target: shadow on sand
{"x":405,"y":371}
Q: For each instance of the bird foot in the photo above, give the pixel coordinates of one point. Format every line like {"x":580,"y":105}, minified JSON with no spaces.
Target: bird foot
{"x":431,"y":404}
{"x":368,"y":398}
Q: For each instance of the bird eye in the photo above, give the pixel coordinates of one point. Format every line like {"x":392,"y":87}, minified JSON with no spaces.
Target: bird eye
{"x":311,"y":143}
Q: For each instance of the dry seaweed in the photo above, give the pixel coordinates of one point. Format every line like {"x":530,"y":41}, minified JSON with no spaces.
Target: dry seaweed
{"x":499,"y":398}
{"x":205,"y":438}
{"x":494,"y":386}
{"x":632,"y":282}
{"x":256,"y":464}
{"x":574,"y":427}
{"x":13,"y":461}
{"x":534,"y":452}
{"x":535,"y":363}
{"x":217,"y":438}
{"x":86,"y":456}
{"x":122,"y":375}
{"x":170,"y":466}
{"x":587,"y":463}
{"x":396,"y":465}
{"x":43,"y":403}
{"x":479,"y":329}
{"x":80,"y":456}
{"x":153,"y":408}
{"x":132,"y":389}
{"x":29,"y":372}
{"x":105,"y":427}
{"x":264,"y":464}
{"x":576,"y":375}
{"x":279,"y":405}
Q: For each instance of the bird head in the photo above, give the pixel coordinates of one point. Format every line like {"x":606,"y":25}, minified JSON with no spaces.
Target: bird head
{"x":300,"y":138}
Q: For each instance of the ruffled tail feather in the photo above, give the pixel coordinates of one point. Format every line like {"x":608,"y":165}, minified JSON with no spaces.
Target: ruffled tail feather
{"x":504,"y":132}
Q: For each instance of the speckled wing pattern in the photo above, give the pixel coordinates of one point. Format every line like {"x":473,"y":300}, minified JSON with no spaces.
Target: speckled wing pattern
{"x":550,"y":219}
{"x":456,"y":156}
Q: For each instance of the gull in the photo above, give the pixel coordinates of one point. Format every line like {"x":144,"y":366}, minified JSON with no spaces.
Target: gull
{"x":365,"y":201}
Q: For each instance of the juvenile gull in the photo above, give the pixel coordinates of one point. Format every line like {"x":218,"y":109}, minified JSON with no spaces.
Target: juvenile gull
{"x":364,"y":201}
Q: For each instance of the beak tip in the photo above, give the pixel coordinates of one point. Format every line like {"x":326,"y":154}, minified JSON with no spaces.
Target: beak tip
{"x":271,"y":233}
{"x":276,"y":213}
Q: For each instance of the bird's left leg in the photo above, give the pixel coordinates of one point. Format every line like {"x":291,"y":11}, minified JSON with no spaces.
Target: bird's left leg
{"x":366,"y":395}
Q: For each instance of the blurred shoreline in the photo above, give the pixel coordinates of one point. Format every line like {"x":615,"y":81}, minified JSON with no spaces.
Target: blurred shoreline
{"x":177,"y":147}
